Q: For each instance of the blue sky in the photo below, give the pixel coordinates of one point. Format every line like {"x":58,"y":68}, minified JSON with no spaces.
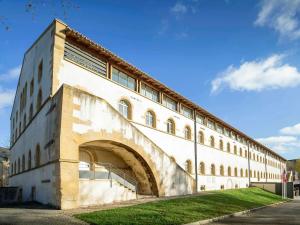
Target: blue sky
{"x":237,"y":59}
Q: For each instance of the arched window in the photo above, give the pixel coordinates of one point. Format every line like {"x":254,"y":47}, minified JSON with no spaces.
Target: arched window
{"x":254,"y":174}
{"x":212,"y":141}
{"x":235,"y":150}
{"x":150,"y":119}
{"x":246,"y":154}
{"x":241,"y":172}
{"x":29,"y":160}
{"x":187,"y":133}
{"x":246,"y":173}
{"x":228,"y":147}
{"x":85,"y":162}
{"x":24,"y":121}
{"x":229,"y":171}
{"x":202,"y":168}
{"x":37,"y":155}
{"x":19,"y":166}
{"x":201,"y":137}
{"x":30,"y":112}
{"x":23,"y":162}
{"x":213,"y":170}
{"x":221,"y":144}
{"x":235,"y":172}
{"x":251,"y":175}
{"x":170,"y":126}
{"x":241,"y":152}
{"x":125,"y":109}
{"x":188,"y":166}
{"x":39,"y":100}
{"x":222,"y":170}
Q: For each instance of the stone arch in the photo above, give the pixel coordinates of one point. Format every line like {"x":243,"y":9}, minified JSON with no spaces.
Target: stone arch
{"x":141,"y":164}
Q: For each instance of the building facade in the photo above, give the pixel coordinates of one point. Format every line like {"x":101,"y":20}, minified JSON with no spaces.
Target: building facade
{"x":89,"y":128}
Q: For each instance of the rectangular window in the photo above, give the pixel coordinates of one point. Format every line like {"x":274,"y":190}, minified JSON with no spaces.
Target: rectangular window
{"x":84,"y":59}
{"x":220,"y":129}
{"x":210,"y":124}
{"x":169,"y":103}
{"x":123,"y":79}
{"x":187,"y":111}
{"x":200,"y":119}
{"x":149,"y":92}
{"x":226,"y":132}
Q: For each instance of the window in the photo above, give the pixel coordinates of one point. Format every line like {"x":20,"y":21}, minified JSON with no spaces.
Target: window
{"x":220,"y":129}
{"x":149,"y":92}
{"x":200,"y":119}
{"x":170,"y":126}
{"x":30,"y":112}
{"x":29,"y":160}
{"x":23,"y":162}
{"x":19,"y":166}
{"x":37,"y":155}
{"x":221,"y":144}
{"x":40,"y":71}
{"x":235,"y":150}
{"x":246,"y":173}
{"x":212,"y":141}
{"x":212,"y":170}
{"x":226,"y":132}
{"x":246,"y":153}
{"x":125,"y":109}
{"x":228,"y":147}
{"x":188,"y":166}
{"x":123,"y":79}
{"x":187,"y":133}
{"x":31,"y":86}
{"x":241,"y":172}
{"x":235,"y":172}
{"x":187,"y":111}
{"x":169,"y":103}
{"x":222,"y":170}
{"x":229,"y":171}
{"x":15,"y":168}
{"x":39,"y":100}
{"x":241,"y":152}
{"x":201,"y":137}
{"x":150,"y":119}
{"x":202,"y":168}
{"x":210,"y":124}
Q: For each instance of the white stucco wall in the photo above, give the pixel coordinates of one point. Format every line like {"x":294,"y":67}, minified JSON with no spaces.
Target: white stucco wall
{"x":176,"y":146}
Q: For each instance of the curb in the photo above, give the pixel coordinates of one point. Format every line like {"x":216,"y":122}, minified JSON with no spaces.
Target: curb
{"x":233,"y":214}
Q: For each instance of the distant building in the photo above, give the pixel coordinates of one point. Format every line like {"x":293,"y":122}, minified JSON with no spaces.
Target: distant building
{"x":89,"y":128}
{"x":4,"y":166}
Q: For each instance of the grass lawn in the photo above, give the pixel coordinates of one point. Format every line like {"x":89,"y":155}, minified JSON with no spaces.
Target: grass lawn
{"x":183,"y":210}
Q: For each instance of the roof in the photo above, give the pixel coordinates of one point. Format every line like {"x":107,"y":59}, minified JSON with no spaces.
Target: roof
{"x":83,"y":40}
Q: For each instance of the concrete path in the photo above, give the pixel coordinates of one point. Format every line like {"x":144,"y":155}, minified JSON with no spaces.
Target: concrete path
{"x":35,"y":214}
{"x":286,"y":213}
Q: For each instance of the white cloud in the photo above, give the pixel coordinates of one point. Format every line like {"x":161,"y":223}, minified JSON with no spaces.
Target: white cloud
{"x":258,"y":75}
{"x":10,"y":74}
{"x":6,"y":97}
{"x":281,"y":144}
{"x":280,"y":15}
{"x":179,"y":9}
{"x":292,"y":130}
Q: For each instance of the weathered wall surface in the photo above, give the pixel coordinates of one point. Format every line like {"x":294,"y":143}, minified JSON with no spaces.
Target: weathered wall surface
{"x":87,"y":118}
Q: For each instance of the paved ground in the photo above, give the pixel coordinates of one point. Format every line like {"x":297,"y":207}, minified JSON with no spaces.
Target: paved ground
{"x":35,"y":214}
{"x":286,"y":213}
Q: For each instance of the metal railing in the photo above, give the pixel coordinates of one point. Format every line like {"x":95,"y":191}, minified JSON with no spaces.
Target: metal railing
{"x":107,"y":171}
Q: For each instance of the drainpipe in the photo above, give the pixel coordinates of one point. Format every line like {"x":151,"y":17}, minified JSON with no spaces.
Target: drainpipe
{"x":249,"y":168}
{"x":195,"y":150}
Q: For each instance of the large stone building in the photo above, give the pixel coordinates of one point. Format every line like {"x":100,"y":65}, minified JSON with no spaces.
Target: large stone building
{"x":89,"y":128}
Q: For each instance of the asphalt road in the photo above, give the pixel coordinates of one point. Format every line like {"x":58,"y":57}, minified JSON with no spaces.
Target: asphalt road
{"x":286,"y":213}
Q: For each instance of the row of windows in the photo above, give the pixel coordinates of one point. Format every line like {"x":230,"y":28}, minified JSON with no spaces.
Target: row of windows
{"x":150,"y":120}
{"x":19,"y":166}
{"x":229,"y":172}
{"x":17,"y":123}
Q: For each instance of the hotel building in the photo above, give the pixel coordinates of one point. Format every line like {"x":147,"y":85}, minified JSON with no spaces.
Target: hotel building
{"x":89,"y":128}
